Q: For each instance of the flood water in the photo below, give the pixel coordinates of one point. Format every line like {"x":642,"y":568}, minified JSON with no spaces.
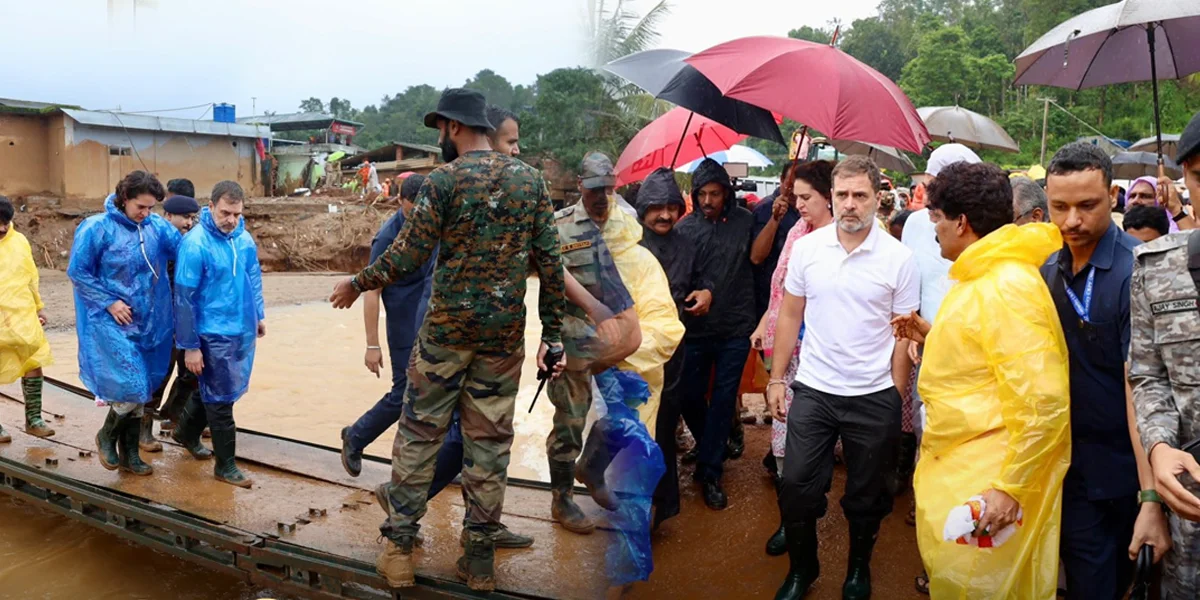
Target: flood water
{"x":309,"y":381}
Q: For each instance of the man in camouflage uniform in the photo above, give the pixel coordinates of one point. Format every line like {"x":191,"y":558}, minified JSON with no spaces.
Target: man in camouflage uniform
{"x":590,"y":263}
{"x":1164,"y":371}
{"x":601,"y":250}
{"x":492,"y":217}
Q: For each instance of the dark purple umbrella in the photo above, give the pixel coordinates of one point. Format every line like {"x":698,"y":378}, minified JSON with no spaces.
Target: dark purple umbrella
{"x":1134,"y":40}
{"x":664,"y":75}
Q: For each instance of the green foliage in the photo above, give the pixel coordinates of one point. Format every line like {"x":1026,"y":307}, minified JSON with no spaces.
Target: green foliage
{"x":574,"y":114}
{"x":809,"y":34}
{"x":874,"y":43}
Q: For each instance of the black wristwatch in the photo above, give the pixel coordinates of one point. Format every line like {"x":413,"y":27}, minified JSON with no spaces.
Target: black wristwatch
{"x":354,"y":284}
{"x":1183,"y":213}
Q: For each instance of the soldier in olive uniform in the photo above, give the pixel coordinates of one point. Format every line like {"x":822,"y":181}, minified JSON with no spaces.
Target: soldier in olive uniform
{"x":589,"y":261}
{"x":1164,"y":371}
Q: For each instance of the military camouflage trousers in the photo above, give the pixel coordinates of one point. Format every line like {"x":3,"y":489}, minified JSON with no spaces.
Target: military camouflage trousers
{"x":1181,"y":566}
{"x":483,"y":387}
{"x":571,"y":394}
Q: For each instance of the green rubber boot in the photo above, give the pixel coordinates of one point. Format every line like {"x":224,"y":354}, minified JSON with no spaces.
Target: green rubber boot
{"x":31,"y":387}
{"x":477,"y":566}
{"x":127,"y":447}
{"x":225,"y":448}
{"x":106,"y":441}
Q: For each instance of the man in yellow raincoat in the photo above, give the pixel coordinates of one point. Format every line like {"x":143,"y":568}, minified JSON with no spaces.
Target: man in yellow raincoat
{"x":23,"y":346}
{"x":994,"y":382}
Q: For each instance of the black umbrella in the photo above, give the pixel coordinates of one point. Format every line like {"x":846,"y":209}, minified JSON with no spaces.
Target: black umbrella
{"x":1131,"y":165}
{"x":664,"y":75}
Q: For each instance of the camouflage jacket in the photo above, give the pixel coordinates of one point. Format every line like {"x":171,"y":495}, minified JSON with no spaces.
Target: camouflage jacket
{"x":587,"y":257}
{"x":493,"y":218}
{"x":1164,"y":370}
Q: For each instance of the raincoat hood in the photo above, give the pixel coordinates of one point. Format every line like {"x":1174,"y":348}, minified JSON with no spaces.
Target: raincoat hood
{"x":659,"y":188}
{"x":1031,"y":244}
{"x":116,"y":214}
{"x":621,"y":232}
{"x":210,"y":224}
{"x":710,"y":171}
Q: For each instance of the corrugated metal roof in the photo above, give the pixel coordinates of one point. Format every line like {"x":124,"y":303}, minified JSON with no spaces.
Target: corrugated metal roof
{"x":152,"y":123}
{"x":298,"y":121}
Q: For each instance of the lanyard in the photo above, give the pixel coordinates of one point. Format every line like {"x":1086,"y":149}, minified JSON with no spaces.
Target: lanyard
{"x":801,"y":338}
{"x":1083,"y":309}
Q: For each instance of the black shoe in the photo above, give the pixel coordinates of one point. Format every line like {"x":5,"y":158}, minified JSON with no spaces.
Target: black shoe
{"x":127,"y":446}
{"x":192,"y":420}
{"x":351,"y":458}
{"x":804,"y":566}
{"x":714,"y":496}
{"x":225,"y":448}
{"x":858,"y":572}
{"x":106,"y":441}
{"x":777,"y":544}
{"x":734,"y":449}
{"x":692,"y":455}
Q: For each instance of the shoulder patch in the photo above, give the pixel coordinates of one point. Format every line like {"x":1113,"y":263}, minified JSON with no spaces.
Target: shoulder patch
{"x":1163,"y":244}
{"x":1174,"y":306}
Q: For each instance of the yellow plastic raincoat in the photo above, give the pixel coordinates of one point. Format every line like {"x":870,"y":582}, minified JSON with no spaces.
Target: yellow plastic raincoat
{"x":994,"y":383}
{"x":651,"y":292}
{"x":23,"y":345}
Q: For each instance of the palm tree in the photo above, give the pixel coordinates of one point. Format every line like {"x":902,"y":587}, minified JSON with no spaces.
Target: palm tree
{"x":616,"y":31}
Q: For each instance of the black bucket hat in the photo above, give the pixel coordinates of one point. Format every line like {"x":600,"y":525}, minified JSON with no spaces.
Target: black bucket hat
{"x":465,"y":106}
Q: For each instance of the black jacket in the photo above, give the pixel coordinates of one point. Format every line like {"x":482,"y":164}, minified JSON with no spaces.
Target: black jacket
{"x":723,"y":256}
{"x":674,"y":252}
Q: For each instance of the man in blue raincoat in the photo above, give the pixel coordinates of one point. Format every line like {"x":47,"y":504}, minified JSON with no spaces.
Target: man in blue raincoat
{"x":123,"y":311}
{"x":219,"y":316}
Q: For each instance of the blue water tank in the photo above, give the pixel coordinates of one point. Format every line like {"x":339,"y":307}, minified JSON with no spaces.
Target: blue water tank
{"x":225,"y":113}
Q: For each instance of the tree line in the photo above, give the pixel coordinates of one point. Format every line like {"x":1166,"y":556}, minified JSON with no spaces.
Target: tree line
{"x":940,"y":52}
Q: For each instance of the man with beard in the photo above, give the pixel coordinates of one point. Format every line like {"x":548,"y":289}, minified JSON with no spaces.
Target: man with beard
{"x":219,"y":316}
{"x":490,"y":215}
{"x":845,"y":283}
{"x":660,"y":206}
{"x":722,"y":233}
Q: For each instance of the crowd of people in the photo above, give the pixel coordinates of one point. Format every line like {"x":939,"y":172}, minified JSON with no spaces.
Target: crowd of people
{"x":1014,"y":348}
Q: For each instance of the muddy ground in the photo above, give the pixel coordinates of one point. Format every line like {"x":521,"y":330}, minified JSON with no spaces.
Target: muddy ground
{"x":293,"y":234}
{"x":279,"y":289}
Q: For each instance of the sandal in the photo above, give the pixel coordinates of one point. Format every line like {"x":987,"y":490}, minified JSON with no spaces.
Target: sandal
{"x":921,"y":582}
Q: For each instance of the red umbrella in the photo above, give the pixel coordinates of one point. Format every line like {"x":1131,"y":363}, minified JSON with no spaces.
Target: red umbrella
{"x":817,"y":85}
{"x":676,"y":138}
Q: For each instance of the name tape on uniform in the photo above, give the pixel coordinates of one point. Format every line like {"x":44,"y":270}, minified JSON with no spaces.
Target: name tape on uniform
{"x":576,"y":246}
{"x":1174,"y":306}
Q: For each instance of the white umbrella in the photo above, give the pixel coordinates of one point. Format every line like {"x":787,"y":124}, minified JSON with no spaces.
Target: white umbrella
{"x":735,"y":154}
{"x":957,"y":124}
{"x":885,"y":157}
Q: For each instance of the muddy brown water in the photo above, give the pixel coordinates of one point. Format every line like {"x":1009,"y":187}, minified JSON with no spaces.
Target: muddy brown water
{"x":309,"y":381}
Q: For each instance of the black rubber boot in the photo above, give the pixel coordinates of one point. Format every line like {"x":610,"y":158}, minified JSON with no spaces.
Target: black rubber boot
{"x":858,"y":571}
{"x":127,"y":446}
{"x":477,"y":566}
{"x":777,"y":544}
{"x":562,"y":503}
{"x":225,"y":448}
{"x":592,"y":463}
{"x":106,"y":441}
{"x":805,"y":568}
{"x":192,"y":420}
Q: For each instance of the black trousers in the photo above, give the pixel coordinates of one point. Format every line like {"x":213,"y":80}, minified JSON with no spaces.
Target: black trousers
{"x":1095,"y":543}
{"x":220,"y":416}
{"x":185,"y":385}
{"x":666,"y":495}
{"x":869,"y":426}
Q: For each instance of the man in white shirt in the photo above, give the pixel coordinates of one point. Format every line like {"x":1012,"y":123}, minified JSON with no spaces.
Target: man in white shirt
{"x":845,"y":282}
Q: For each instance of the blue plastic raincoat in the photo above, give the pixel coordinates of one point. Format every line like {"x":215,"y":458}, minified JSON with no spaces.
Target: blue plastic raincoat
{"x":218,"y":305}
{"x":112,"y":259}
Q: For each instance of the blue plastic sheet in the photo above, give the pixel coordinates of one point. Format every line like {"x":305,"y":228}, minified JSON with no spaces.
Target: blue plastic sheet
{"x":218,"y":304}
{"x":113,"y":258}
{"x":634,"y":473}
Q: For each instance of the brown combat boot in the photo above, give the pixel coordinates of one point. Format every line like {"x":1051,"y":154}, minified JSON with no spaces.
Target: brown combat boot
{"x":477,"y":566}
{"x":395,"y":563}
{"x":562,"y":504}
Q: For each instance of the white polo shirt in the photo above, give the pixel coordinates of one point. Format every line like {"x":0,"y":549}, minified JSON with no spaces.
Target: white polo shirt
{"x":850,"y":300}
{"x":921,"y":237}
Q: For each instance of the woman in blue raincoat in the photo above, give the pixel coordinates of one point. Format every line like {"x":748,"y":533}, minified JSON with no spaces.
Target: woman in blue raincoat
{"x":219,"y":315}
{"x":123,"y":314}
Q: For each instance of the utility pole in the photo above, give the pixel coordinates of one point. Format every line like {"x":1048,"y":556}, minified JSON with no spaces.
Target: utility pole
{"x":253,"y":106}
{"x":1045,"y":121}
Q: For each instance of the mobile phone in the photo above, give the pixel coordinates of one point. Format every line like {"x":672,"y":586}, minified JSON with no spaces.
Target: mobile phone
{"x":1193,"y":448}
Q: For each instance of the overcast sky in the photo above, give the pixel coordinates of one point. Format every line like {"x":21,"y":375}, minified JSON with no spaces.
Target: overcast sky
{"x":145,"y":55}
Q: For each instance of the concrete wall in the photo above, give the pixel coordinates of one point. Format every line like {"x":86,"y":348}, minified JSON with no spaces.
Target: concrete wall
{"x":98,"y":157}
{"x":24,"y":168}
